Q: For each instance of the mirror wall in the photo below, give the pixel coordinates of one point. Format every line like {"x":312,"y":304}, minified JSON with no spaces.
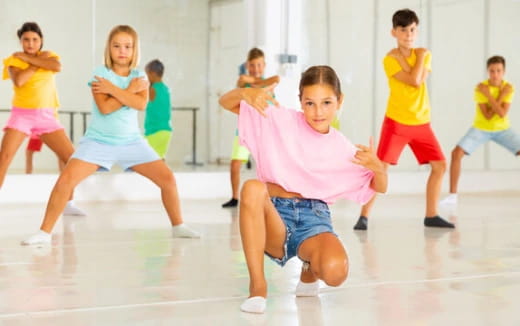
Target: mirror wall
{"x":202,"y":44}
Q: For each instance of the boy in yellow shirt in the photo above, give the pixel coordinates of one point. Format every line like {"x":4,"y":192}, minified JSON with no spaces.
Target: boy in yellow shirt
{"x":493,"y":97}
{"x":407,"y":120}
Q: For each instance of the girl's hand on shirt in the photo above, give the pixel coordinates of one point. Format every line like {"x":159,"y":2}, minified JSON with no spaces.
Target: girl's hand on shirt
{"x":102,"y":86}
{"x":138,"y":84}
{"x":260,"y":98}
{"x":366,"y":157}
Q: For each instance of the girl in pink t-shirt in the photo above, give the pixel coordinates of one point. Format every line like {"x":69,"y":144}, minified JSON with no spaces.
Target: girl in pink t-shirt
{"x":302,"y":165}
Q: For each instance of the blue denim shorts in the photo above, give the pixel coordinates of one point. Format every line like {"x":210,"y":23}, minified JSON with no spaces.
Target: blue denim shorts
{"x":106,"y":155}
{"x":303,"y":218}
{"x":476,"y":137}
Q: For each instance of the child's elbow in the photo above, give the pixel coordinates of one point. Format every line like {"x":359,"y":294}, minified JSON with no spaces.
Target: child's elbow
{"x":222,"y":102}
{"x":382,"y":189}
{"x":142,"y":105}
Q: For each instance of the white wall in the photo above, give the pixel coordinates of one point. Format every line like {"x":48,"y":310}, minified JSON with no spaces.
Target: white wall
{"x":176,"y":32}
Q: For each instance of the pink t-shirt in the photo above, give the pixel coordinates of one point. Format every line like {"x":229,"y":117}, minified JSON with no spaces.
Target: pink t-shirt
{"x":288,"y":152}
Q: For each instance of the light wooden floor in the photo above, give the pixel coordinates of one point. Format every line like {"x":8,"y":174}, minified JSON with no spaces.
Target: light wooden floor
{"x":119,"y":266}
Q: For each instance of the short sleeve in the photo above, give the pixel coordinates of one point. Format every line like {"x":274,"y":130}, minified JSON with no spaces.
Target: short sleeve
{"x":13,"y":62}
{"x":54,"y":55}
{"x":391,"y":66}
{"x":100,"y":71}
{"x":428,"y":61}
{"x":509,"y":98}
{"x":479,"y":97}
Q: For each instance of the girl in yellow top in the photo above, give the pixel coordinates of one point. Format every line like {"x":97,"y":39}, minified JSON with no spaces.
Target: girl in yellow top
{"x":35,"y":101}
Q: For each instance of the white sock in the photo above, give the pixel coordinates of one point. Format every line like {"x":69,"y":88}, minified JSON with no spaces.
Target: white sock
{"x":183,"y":231}
{"x":255,"y":305}
{"x":307,"y":289}
{"x":452,"y":196}
{"x":41,"y":237}
{"x":71,"y":209}
{"x":450,"y":199}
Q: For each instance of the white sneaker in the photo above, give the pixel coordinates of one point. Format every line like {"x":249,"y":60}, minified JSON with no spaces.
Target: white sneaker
{"x":182,"y":231}
{"x":450,"y":200}
{"x":39,"y":238}
{"x":254,"y":305}
{"x":72,"y":210}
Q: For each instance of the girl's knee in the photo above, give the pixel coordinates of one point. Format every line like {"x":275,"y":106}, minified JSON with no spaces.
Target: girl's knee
{"x":6,"y":156}
{"x":65,"y":182}
{"x":253,"y":190}
{"x":167,"y":181}
{"x":335,"y":271}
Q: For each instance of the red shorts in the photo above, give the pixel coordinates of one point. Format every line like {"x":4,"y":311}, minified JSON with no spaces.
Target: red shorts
{"x":34,"y":144}
{"x":395,"y":136}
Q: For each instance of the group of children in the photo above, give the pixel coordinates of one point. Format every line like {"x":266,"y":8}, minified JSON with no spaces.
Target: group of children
{"x":119,"y":91}
{"x":302,"y":164}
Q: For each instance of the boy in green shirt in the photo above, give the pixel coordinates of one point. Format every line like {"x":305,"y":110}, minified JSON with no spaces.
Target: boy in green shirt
{"x":157,"y":121}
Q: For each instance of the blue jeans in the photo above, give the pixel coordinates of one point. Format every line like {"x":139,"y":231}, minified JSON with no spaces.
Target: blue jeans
{"x":303,"y":219}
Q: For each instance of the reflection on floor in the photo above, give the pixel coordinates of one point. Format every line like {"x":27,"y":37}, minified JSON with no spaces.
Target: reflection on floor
{"x":119,"y":266}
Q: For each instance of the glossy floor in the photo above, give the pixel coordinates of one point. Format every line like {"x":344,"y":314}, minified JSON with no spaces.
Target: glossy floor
{"x":119,"y":266}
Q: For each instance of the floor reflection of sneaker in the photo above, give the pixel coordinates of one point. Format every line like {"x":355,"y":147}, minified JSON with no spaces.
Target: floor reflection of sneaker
{"x":450,"y":200}
{"x":231,"y":203}
{"x":72,"y":210}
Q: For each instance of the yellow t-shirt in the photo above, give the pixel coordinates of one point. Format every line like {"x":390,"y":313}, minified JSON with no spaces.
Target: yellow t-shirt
{"x":407,"y":105}
{"x":496,"y":123}
{"x":39,"y":92}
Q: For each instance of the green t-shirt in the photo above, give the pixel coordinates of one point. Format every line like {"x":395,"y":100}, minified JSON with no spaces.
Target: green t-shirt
{"x":159,"y":111}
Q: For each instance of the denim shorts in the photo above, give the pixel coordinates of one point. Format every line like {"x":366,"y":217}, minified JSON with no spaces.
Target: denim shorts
{"x":303,"y":218}
{"x":476,"y":137}
{"x":106,"y":155}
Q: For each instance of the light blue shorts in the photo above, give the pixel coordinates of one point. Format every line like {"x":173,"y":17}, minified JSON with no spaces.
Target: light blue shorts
{"x":105,"y":155}
{"x":476,"y":137}
{"x":303,"y":218}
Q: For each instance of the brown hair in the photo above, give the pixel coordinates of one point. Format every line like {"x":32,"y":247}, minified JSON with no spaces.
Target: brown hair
{"x":122,"y":29}
{"x":404,"y":17}
{"x":255,"y":53}
{"x":320,"y":75}
{"x":30,"y":27}
{"x":496,"y":59}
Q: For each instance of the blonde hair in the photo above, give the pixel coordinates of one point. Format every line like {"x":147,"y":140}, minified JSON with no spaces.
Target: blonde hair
{"x":130,"y":31}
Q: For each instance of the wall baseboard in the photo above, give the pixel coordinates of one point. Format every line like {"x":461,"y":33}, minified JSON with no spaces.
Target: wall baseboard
{"x":199,"y":185}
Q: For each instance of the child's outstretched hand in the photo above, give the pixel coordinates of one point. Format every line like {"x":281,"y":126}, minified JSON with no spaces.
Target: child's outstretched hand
{"x":366,"y":156}
{"x":260,"y":98}
{"x":138,"y":84}
{"x":102,"y":85}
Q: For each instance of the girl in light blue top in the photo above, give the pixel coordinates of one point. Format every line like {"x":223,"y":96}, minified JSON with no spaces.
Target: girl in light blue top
{"x":113,"y":136}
